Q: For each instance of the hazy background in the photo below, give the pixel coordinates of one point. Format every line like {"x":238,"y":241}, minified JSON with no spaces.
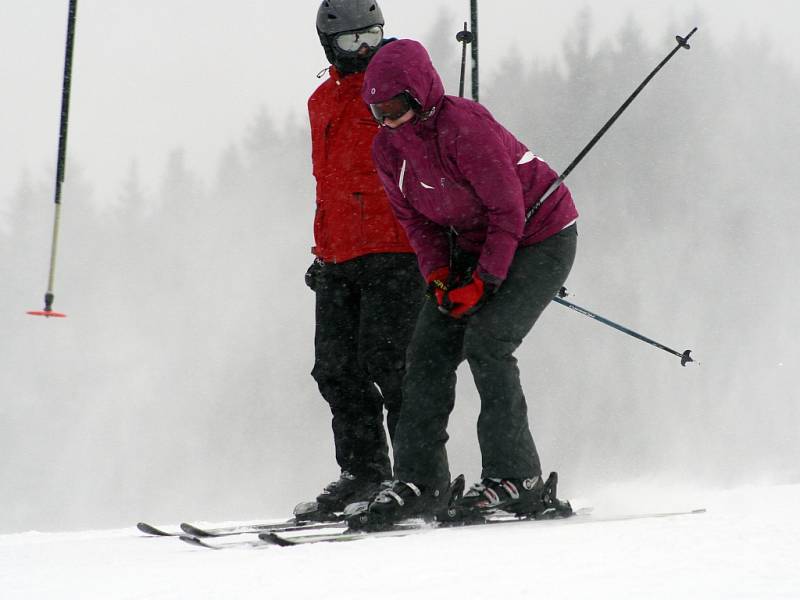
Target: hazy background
{"x":178,"y":388}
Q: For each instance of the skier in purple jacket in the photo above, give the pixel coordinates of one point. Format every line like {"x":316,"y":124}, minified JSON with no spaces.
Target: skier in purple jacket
{"x":460,"y":185}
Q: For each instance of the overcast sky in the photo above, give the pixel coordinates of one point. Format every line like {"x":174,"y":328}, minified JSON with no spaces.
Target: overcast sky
{"x":155,"y":74}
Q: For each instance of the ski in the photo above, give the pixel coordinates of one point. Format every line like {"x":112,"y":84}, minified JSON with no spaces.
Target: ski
{"x":580,"y":516}
{"x":288,"y":526}
{"x":293,"y":524}
{"x":276,"y":538}
{"x":202,"y":543}
{"x":150,"y":530}
{"x":307,"y":515}
{"x":207,"y":542}
{"x":216,"y":531}
{"x":409,"y":527}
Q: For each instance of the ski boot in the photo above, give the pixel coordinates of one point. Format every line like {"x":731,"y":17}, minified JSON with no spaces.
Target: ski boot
{"x":524,"y":498}
{"x":397,"y":502}
{"x":335,"y":497}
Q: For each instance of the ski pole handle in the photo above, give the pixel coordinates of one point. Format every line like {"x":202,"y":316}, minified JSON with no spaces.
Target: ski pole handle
{"x":465,"y":37}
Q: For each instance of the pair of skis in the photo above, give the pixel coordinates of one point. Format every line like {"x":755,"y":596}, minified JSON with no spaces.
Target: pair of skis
{"x":281,"y":539}
{"x":309,"y":522}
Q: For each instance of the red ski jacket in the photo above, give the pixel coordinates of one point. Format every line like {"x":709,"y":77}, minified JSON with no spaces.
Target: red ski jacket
{"x":353,"y":216}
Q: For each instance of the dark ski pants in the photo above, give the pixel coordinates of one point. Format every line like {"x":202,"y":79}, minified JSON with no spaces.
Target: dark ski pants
{"x":365,"y":314}
{"x":487,"y":340}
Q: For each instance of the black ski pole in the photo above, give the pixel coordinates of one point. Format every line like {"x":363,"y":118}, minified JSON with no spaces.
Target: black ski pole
{"x":682,"y":43}
{"x":465,"y":37}
{"x":62,"y":155}
{"x":684,"y":356}
{"x":474,"y":27}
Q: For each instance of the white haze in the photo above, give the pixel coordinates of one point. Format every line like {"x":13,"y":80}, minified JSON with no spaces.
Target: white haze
{"x":179,"y":388}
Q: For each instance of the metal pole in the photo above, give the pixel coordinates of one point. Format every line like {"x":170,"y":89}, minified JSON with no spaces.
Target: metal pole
{"x":474,"y":27}
{"x":684,"y":356}
{"x":682,"y":43}
{"x":62,"y":155}
{"x":465,"y":37}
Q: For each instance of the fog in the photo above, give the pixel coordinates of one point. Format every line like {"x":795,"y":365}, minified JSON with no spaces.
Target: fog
{"x":178,"y":387}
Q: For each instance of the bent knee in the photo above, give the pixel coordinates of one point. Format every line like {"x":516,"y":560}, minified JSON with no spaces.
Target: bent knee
{"x":483,"y":346}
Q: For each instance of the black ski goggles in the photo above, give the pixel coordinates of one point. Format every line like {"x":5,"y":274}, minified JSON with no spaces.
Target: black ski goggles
{"x":393,"y":108}
{"x":351,"y":41}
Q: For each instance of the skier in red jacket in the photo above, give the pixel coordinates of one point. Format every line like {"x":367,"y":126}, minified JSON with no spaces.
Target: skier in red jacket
{"x":368,"y":287}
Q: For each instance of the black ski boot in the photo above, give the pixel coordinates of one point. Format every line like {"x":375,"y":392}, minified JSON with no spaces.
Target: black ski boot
{"x":527,"y":498}
{"x":348,"y":488}
{"x":398,"y":502}
{"x":336,"y":496}
{"x":361,"y":506}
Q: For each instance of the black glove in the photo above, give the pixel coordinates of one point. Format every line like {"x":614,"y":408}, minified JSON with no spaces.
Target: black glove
{"x":314,"y":272}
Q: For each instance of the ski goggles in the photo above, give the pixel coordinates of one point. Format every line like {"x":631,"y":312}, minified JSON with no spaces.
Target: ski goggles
{"x":393,"y":108}
{"x":352,"y":41}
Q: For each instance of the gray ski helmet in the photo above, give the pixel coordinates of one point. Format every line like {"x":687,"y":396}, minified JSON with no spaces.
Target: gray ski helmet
{"x":340,"y":16}
{"x":336,"y":16}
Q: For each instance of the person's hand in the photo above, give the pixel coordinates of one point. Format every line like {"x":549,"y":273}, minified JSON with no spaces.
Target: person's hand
{"x":437,"y":283}
{"x":313,"y":273}
{"x":466,"y":299}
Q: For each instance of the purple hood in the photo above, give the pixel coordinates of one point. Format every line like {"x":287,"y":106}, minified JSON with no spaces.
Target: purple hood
{"x":404,"y":65}
{"x":457,"y":167}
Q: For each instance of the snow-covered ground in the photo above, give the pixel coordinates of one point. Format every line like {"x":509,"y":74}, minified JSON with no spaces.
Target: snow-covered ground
{"x":746,"y":545}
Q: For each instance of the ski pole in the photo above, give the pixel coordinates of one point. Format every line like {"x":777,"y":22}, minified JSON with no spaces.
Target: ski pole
{"x":684,"y":356}
{"x":62,"y":154}
{"x":474,"y":27}
{"x":682,"y":43}
{"x":465,"y":37}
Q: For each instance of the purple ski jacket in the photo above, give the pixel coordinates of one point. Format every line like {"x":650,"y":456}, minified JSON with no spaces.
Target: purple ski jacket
{"x":458,"y":167}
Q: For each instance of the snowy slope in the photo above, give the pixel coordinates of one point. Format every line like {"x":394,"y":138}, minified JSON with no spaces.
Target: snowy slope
{"x":746,"y":546}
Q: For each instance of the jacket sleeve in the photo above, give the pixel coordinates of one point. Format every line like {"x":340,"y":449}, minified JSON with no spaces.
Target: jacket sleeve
{"x":483,"y":158}
{"x":428,"y":239}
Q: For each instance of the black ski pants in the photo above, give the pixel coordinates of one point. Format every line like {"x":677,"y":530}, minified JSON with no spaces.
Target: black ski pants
{"x":487,"y":340}
{"x":365,"y":314}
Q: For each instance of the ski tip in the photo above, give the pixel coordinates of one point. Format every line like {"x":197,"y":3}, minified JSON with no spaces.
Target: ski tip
{"x":150,"y":530}
{"x":191,"y":530}
{"x":46,"y":313}
{"x":194,"y":541}
{"x":275,"y":539}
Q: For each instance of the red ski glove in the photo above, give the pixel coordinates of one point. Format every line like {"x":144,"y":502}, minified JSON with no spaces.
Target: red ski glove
{"x":467,"y":299}
{"x":437,"y":283}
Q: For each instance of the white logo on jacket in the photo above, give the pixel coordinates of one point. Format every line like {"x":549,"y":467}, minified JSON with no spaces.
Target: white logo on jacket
{"x":402,"y":178}
{"x":528,"y":157}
